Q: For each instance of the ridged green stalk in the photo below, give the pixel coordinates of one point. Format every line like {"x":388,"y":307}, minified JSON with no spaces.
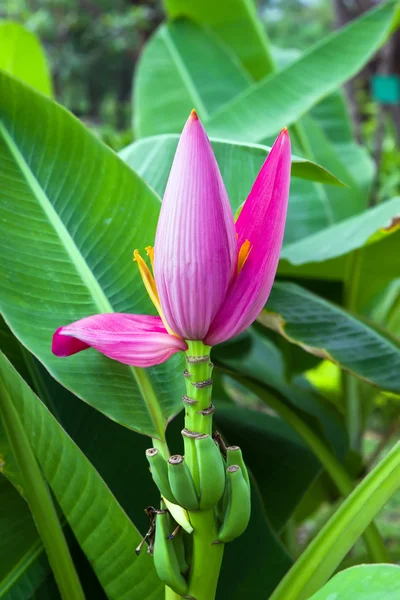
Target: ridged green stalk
{"x":197,"y":400}
{"x":207,"y":556}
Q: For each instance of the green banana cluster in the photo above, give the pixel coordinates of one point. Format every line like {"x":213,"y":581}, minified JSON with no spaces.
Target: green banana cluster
{"x":222,"y":485}
{"x":175,"y":482}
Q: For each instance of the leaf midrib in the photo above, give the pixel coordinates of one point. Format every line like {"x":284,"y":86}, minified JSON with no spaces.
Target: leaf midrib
{"x":86,"y":274}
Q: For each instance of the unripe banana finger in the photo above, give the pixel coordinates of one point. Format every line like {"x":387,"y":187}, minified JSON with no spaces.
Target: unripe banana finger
{"x":181,"y":482}
{"x":165,"y":559}
{"x":211,"y":471}
{"x":159,"y":471}
{"x":237,"y":514}
{"x":180,"y":551}
{"x":234,"y":456}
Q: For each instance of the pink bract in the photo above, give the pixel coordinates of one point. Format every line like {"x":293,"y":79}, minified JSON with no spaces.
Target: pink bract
{"x":202,"y":292}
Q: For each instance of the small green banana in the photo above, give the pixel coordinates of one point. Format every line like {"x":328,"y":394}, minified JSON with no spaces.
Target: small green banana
{"x":234,"y":457}
{"x":159,"y":471}
{"x":180,"y":551}
{"x":238,"y":511}
{"x":211,"y":471}
{"x":181,"y":482}
{"x":165,"y":559}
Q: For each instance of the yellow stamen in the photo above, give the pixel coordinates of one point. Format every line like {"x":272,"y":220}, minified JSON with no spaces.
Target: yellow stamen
{"x":150,"y":254}
{"x":149,"y":282}
{"x":243,"y":254}
{"x":148,"y":279}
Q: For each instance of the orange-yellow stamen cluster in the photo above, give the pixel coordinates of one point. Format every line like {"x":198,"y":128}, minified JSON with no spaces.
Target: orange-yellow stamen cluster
{"x":243,"y":254}
{"x":149,"y":281}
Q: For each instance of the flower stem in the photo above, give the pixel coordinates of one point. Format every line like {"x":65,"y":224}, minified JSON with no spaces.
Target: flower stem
{"x":151,"y":402}
{"x":197,"y":400}
{"x":351,"y":387}
{"x":207,"y":556}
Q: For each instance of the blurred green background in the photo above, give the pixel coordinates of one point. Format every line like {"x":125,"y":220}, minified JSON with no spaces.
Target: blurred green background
{"x":93,"y":46}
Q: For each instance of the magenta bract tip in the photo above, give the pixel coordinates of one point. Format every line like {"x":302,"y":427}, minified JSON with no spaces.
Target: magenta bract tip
{"x":261,"y":222}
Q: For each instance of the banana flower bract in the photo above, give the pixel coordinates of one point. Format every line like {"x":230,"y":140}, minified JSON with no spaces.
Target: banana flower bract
{"x":212,"y":276}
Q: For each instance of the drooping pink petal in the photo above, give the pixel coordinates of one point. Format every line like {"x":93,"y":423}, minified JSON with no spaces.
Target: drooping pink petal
{"x":195,"y":247}
{"x":138,"y":340}
{"x":262,"y":222}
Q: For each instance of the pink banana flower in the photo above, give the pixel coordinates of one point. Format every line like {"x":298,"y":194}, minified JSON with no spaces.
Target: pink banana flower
{"x":212,"y":276}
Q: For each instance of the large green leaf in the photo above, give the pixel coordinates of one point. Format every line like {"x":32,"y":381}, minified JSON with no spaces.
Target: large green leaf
{"x":313,"y":207}
{"x":327,"y":550}
{"x":309,"y":210}
{"x":343,"y":202}
{"x":72,"y":213}
{"x":112,"y":449}
{"x":379,"y":267}
{"x":20,"y":545}
{"x":333,"y":116}
{"x":364,"y":582}
{"x":22,"y":56}
{"x":282,"y":98}
{"x":236,"y":23}
{"x":341,"y":238}
{"x":194,"y":67}
{"x":330,"y":332}
{"x":100,"y":525}
{"x":377,"y":262}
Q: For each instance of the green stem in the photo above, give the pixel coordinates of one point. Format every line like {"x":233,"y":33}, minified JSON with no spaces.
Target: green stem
{"x":336,"y":471}
{"x":40,"y":503}
{"x":353,"y":410}
{"x":393,"y":311}
{"x":351,"y":388}
{"x":290,"y":538}
{"x":151,"y":401}
{"x":207,"y":557}
{"x":161,"y":447}
{"x":198,"y":399}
